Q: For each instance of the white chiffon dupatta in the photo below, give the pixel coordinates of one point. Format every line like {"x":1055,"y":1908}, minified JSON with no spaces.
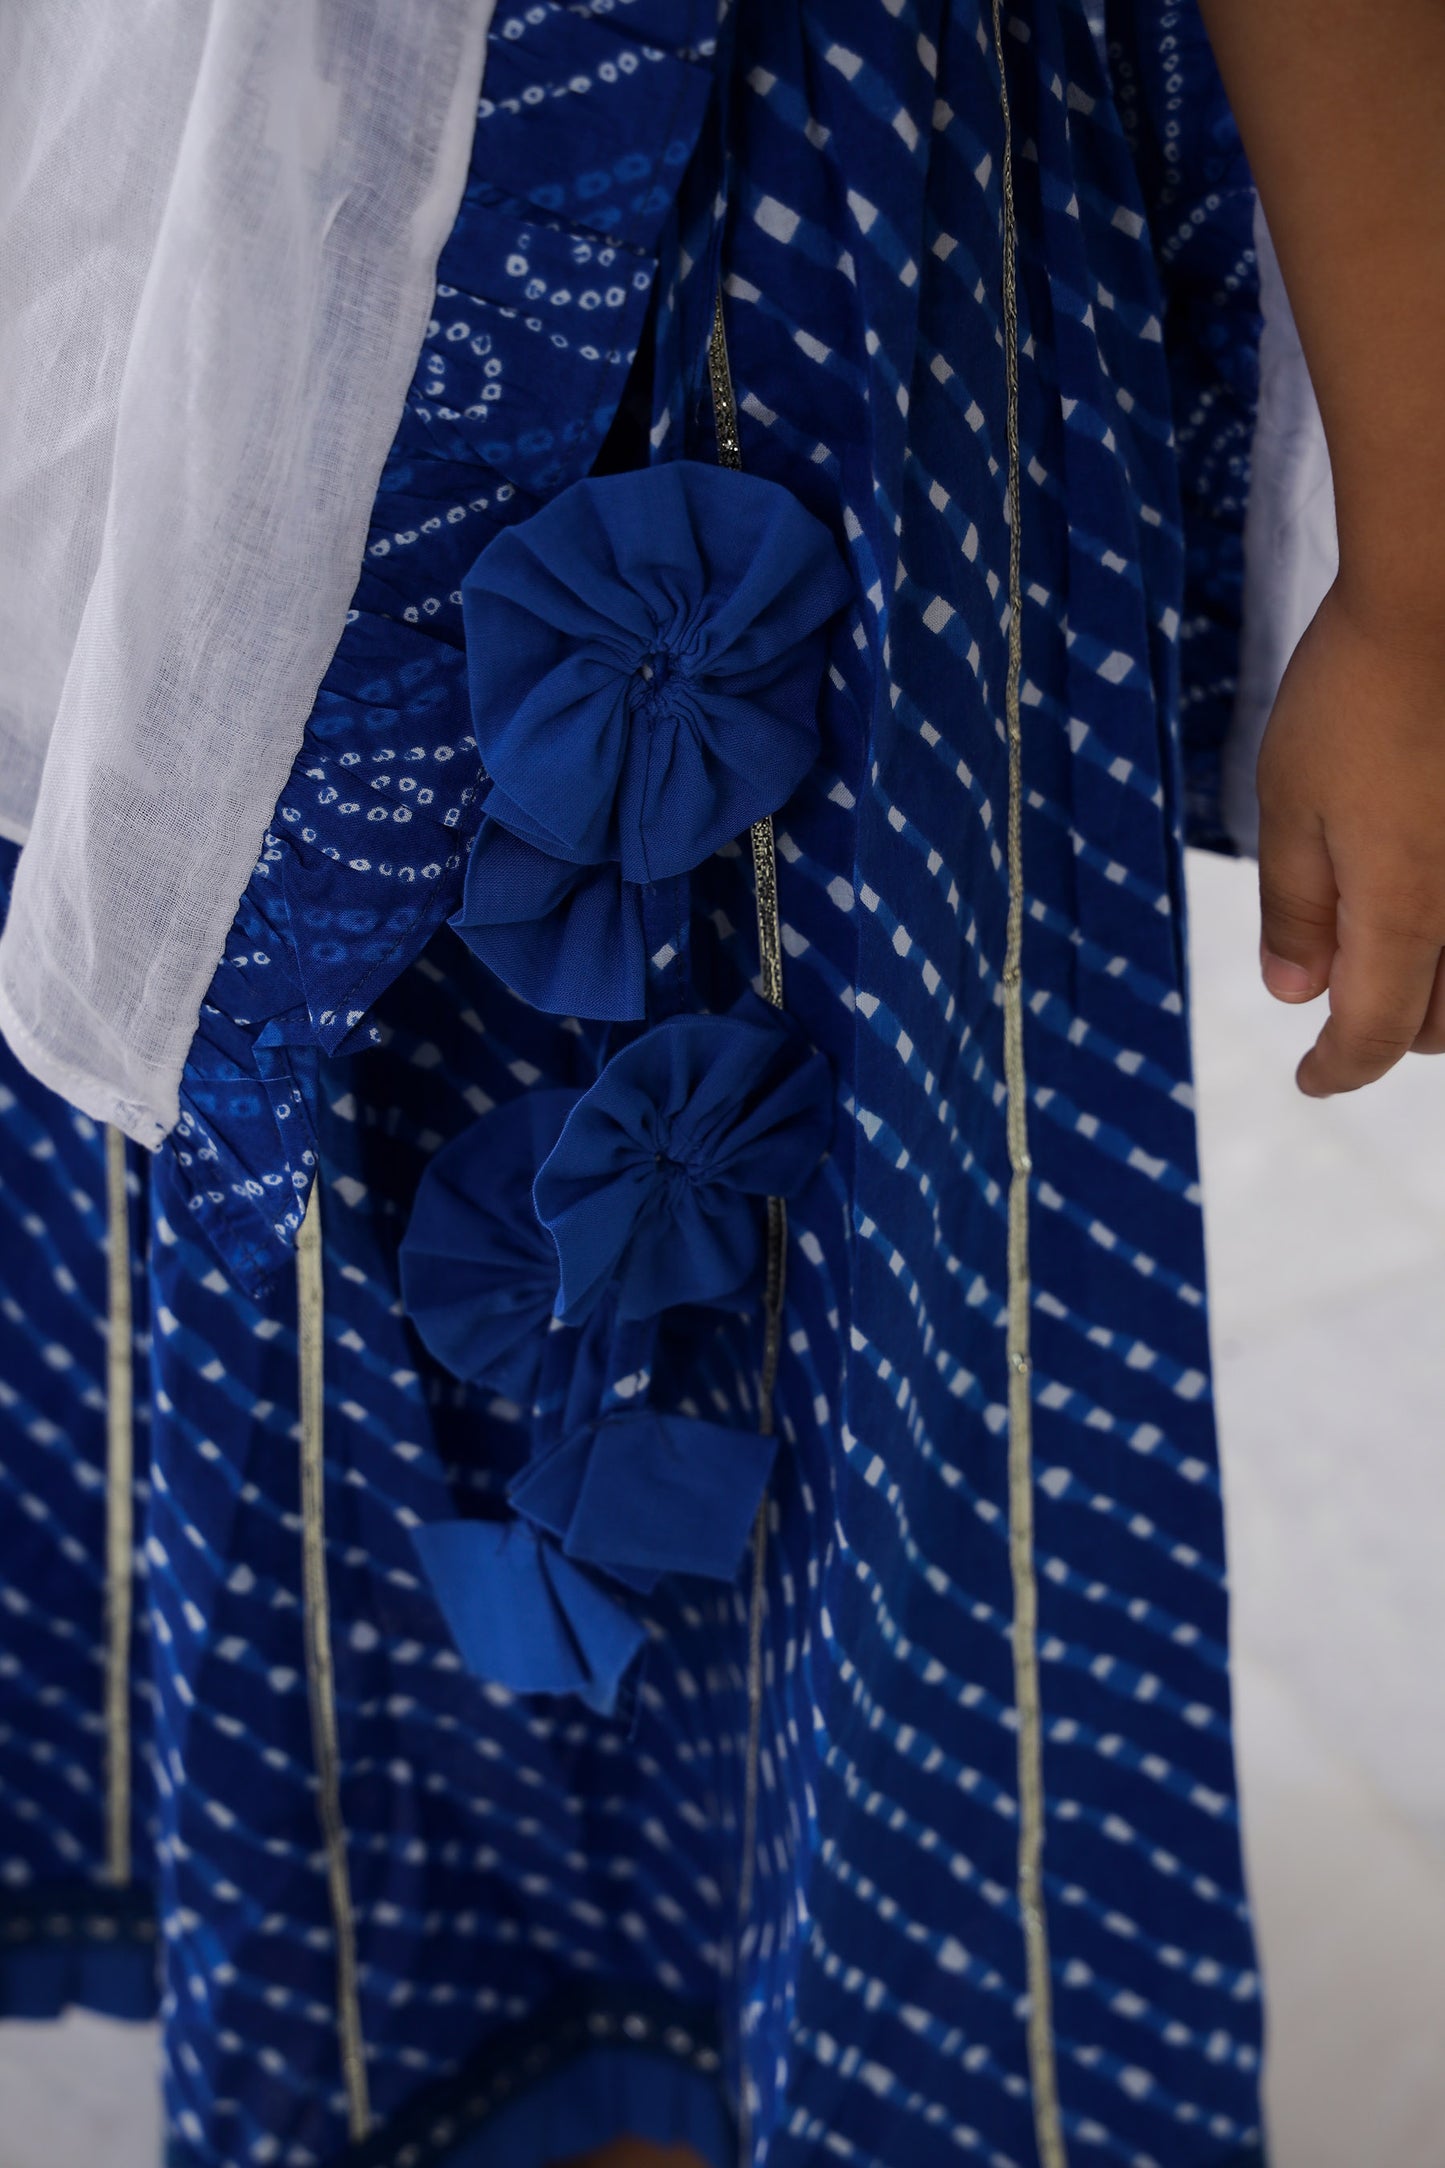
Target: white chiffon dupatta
{"x":219,"y":227}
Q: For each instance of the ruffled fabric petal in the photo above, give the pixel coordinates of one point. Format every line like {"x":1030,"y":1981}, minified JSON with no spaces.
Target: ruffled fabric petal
{"x":478,"y":1273}
{"x":546,"y":1494}
{"x":645,"y":1494}
{"x":523,"y":1616}
{"x":566,"y":938}
{"x":645,"y":655}
{"x":366,"y":845}
{"x":653,"y":1180}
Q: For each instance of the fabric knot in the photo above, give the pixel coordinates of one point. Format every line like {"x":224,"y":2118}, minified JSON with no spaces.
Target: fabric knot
{"x":656,"y":682}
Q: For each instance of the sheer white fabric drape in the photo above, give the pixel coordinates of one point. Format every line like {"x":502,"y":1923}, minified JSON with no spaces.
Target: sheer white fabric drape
{"x":1291,"y":551}
{"x":219,"y":224}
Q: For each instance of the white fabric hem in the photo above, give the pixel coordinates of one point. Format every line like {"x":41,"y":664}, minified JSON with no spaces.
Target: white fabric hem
{"x":203,"y":377}
{"x":91,"y":1094}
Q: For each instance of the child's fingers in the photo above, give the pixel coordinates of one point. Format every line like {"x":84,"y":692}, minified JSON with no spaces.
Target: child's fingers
{"x":1380,"y":991}
{"x":1298,"y":900}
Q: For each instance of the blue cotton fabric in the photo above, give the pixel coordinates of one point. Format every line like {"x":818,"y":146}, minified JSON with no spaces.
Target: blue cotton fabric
{"x":644,"y":664}
{"x":534,"y":1872}
{"x":566,"y":938}
{"x":478,"y":1270}
{"x":650,"y":1187}
{"x":67,"y":1937}
{"x":644,"y":659}
{"x":520,"y":1611}
{"x":651,"y":1493}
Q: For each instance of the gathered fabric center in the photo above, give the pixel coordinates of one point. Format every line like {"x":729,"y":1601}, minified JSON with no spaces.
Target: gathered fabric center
{"x":674,"y":1172}
{"x":656,"y":684}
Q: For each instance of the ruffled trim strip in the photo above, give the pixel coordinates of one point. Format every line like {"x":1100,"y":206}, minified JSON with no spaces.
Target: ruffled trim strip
{"x":543,"y":289}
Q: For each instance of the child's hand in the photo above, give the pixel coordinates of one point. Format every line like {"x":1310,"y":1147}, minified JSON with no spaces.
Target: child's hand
{"x":1334,"y":104}
{"x":1352,"y":841}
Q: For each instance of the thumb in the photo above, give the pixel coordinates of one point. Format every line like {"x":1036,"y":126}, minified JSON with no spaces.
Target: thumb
{"x":1298,"y":899}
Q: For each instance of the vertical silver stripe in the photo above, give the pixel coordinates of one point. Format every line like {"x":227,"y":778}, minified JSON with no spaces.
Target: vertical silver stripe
{"x":770,"y":964}
{"x":119,"y":1510}
{"x":320,"y":1676}
{"x":1048,"y":2127}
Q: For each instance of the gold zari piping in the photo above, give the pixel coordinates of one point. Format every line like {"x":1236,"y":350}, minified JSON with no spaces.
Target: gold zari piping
{"x":320,"y":1675}
{"x":119,"y":1511}
{"x":724,"y":406}
{"x":770,"y":963}
{"x":770,"y":955}
{"x":1048,"y":2126}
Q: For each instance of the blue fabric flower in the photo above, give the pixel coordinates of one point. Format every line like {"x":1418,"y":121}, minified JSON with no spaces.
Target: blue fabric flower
{"x":478,"y":1273}
{"x":523,"y":1615}
{"x":652,"y":1181}
{"x":645,"y":655}
{"x":569,"y":939}
{"x":644,"y":1494}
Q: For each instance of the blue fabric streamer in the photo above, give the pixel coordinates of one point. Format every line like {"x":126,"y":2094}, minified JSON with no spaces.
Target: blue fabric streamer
{"x":653,"y":1178}
{"x":646,"y":1494}
{"x":478,"y":1274}
{"x":524,"y":1616}
{"x":546,"y":1494}
{"x":645,"y":655}
{"x":569,"y":939}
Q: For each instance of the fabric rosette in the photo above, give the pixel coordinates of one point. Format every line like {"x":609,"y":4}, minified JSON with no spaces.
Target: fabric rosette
{"x":645,"y":655}
{"x":653,"y":1187}
{"x":478,"y":1271}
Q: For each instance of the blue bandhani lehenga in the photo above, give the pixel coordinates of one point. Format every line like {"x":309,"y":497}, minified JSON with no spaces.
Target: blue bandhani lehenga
{"x":621,"y":1531}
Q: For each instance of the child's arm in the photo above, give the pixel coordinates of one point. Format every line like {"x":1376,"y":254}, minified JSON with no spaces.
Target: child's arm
{"x":1341,"y":104}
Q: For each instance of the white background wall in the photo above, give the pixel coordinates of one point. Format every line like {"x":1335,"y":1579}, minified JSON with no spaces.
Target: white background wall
{"x":1327,"y":1242}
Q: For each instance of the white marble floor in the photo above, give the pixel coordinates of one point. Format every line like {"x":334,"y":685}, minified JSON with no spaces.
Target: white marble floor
{"x":1327,"y":1241}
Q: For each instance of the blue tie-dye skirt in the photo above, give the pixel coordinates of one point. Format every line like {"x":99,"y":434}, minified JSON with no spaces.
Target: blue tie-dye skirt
{"x":768,"y":1876}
